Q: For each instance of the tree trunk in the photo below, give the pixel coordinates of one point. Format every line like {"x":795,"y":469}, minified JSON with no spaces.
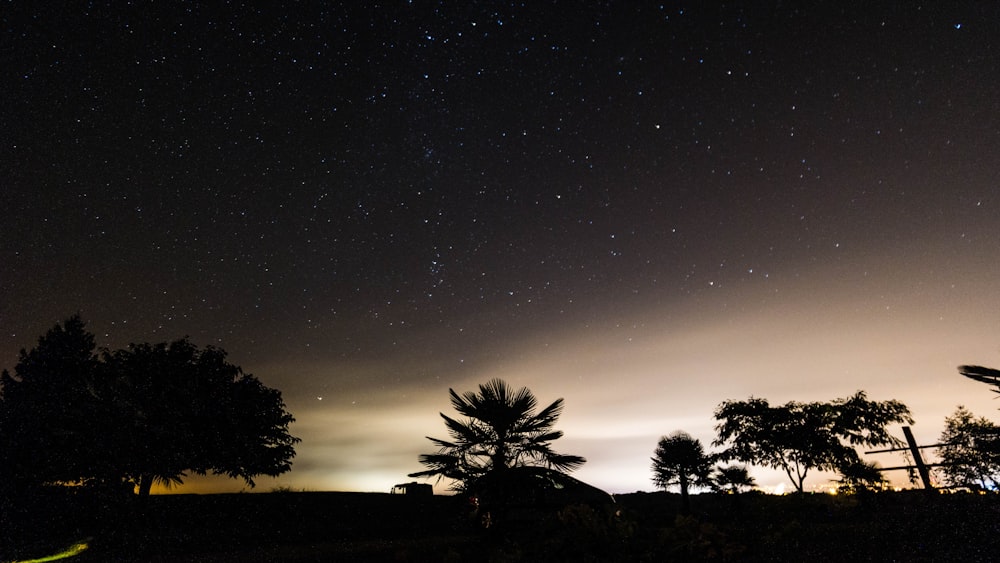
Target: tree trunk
{"x":500,"y":453}
{"x":685,"y":501}
{"x":145,"y":484}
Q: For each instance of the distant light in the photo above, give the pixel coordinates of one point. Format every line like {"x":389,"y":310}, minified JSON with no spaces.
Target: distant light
{"x":958,"y":26}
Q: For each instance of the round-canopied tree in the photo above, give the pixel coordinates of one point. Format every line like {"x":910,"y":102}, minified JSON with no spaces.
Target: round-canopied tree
{"x":501,"y":429}
{"x":136,"y":416}
{"x":188,"y":409}
{"x":798,"y":437}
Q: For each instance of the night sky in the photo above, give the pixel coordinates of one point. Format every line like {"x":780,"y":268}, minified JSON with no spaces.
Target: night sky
{"x":643,"y":208}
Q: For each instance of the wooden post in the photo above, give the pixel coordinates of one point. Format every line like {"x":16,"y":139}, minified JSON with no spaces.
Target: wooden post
{"x":925,"y":474}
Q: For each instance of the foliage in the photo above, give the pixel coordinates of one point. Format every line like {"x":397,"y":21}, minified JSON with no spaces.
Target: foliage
{"x":680,"y":461}
{"x":139,"y":415}
{"x":861,"y":477}
{"x":733,"y":479}
{"x":983,"y":375}
{"x":201,"y":413}
{"x":798,"y":437}
{"x":46,"y":408}
{"x":690,"y":539}
{"x":970,"y":456}
{"x":501,"y":430}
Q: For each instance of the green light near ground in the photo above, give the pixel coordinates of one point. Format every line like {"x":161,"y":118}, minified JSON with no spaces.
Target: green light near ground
{"x":71,"y":551}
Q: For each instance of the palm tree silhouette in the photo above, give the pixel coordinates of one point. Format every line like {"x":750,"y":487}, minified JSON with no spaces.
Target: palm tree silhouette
{"x":501,"y":430}
{"x":680,"y":460}
{"x":733,"y":479}
{"x":982,"y":374}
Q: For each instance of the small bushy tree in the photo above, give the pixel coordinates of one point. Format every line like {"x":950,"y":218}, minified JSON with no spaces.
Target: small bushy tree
{"x":861,"y":477}
{"x":733,"y":479}
{"x":970,"y":456}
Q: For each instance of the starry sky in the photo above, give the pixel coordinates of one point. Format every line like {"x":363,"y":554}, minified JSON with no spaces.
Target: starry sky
{"x":643,"y":208}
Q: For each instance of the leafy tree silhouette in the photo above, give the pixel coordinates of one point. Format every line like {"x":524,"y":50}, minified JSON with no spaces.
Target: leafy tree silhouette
{"x":189,"y":409}
{"x":148,"y":413}
{"x":50,"y":417}
{"x":501,"y":430}
{"x":797,"y":437}
{"x":732,"y":479}
{"x":680,"y":460}
{"x":970,"y":454}
{"x":860,"y":478}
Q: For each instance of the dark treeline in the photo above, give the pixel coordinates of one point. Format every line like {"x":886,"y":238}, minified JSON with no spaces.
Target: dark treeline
{"x":121,"y":420}
{"x":82,"y":430}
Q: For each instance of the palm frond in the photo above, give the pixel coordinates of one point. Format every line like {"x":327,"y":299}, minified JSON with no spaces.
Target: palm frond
{"x":982,"y":374}
{"x":501,"y":427}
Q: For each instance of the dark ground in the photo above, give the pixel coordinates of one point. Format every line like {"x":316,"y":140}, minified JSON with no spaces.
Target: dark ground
{"x":304,"y":527}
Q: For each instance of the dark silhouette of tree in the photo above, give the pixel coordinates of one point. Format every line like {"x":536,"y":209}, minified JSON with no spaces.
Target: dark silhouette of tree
{"x":798,"y":437}
{"x":501,"y":430}
{"x":53,"y":391}
{"x":733,"y":479}
{"x":140,"y":415}
{"x":189,"y":409}
{"x":680,"y":460}
{"x":861,"y":477}
{"x":970,"y":456}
